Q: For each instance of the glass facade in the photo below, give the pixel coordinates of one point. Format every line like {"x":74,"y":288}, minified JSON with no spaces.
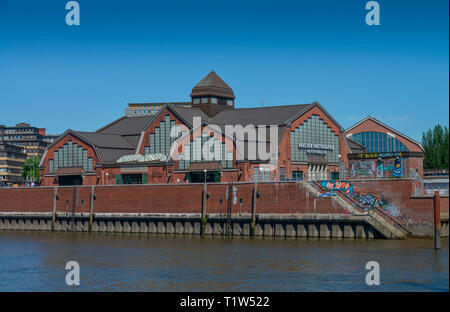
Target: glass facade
{"x":314,"y":138}
{"x":161,"y":140}
{"x":193,"y":152}
{"x":70,"y":155}
{"x":378,"y":142}
{"x":261,"y":174}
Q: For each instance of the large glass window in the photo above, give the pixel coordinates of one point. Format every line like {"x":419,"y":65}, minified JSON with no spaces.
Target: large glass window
{"x":216,"y":153}
{"x":70,"y":155}
{"x":378,"y":142}
{"x":314,"y":138}
{"x":161,"y":140}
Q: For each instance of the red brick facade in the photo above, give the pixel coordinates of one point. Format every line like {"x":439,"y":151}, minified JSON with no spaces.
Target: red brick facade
{"x":283,"y":198}
{"x":413,"y":158}
{"x":326,"y":148}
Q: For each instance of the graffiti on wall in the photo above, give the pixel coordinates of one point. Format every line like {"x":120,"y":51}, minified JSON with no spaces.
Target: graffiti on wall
{"x":378,"y":168}
{"x":364,"y":168}
{"x":366,"y":200}
{"x":397,"y":172}
{"x":339,"y":186}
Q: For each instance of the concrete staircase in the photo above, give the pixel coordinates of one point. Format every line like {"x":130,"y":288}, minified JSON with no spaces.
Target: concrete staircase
{"x":386,"y":227}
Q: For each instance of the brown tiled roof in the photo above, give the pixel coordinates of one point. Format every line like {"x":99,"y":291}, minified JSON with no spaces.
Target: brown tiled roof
{"x":212,"y":84}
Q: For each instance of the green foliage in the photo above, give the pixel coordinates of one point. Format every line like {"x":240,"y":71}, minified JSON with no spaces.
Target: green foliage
{"x":436,"y":145}
{"x":31,"y":168}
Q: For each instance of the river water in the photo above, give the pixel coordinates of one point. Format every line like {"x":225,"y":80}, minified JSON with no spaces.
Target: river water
{"x":35,"y":261}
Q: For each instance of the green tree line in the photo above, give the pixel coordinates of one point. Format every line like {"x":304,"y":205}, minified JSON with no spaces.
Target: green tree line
{"x":31,"y":168}
{"x":436,"y":145}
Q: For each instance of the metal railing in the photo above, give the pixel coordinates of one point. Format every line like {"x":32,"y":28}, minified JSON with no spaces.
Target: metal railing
{"x":364,"y":209}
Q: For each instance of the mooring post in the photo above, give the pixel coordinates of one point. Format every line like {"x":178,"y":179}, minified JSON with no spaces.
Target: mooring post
{"x":437,"y":220}
{"x":204,"y":199}
{"x":255,"y":196}
{"x":55,"y":198}
{"x":91,"y":208}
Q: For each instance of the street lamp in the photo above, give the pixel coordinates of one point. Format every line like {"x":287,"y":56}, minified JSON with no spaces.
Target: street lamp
{"x":205,"y":174}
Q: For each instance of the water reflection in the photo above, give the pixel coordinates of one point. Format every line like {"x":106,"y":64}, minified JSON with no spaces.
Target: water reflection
{"x":35,"y":261}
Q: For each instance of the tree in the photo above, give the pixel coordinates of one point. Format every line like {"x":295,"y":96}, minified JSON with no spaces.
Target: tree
{"x":436,"y":144}
{"x":31,"y":169}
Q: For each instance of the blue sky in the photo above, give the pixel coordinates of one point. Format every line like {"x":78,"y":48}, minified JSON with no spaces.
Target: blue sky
{"x":283,"y":52}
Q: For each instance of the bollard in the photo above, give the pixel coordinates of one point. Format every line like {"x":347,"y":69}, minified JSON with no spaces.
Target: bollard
{"x":204,"y":199}
{"x":91,"y":208}
{"x":253,"y":222}
{"x":437,"y":220}
{"x":55,"y":198}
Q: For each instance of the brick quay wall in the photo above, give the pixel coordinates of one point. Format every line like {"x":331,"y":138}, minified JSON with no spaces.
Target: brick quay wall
{"x":277,"y":209}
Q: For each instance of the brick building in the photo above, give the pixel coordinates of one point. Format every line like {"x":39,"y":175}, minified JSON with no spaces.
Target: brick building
{"x":386,"y":149}
{"x":209,"y":139}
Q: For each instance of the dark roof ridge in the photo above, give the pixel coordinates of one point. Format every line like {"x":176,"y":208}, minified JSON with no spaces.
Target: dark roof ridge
{"x":111,"y":123}
{"x":100,"y":133}
{"x":354,"y":142}
{"x":275,"y":106}
{"x":167,"y":102}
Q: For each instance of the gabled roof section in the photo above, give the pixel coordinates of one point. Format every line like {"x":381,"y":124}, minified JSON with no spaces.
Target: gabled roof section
{"x":126,"y":125}
{"x":271,"y":115}
{"x":212,"y":84}
{"x":108,"y":147}
{"x":187,"y":114}
{"x":386,"y":127}
{"x":312,"y":105}
{"x":63,"y":135}
{"x":355,"y":147}
{"x":106,"y":140}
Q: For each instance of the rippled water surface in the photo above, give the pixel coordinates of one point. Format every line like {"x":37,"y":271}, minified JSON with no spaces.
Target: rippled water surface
{"x":35,"y":261}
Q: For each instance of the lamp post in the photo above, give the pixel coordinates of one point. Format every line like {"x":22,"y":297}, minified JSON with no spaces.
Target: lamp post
{"x":32,"y":171}
{"x":205,"y":174}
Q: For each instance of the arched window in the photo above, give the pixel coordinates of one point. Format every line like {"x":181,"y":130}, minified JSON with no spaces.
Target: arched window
{"x":314,"y":131}
{"x":71,"y":155}
{"x":161,"y":139}
{"x":378,"y":142}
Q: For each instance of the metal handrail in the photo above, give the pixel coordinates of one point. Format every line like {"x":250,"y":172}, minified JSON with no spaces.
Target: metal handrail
{"x":362,"y":208}
{"x":377,"y":209}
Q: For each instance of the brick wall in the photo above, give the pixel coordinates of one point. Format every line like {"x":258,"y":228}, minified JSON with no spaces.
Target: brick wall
{"x":399,"y":195}
{"x":25,"y":200}
{"x":172,"y":198}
